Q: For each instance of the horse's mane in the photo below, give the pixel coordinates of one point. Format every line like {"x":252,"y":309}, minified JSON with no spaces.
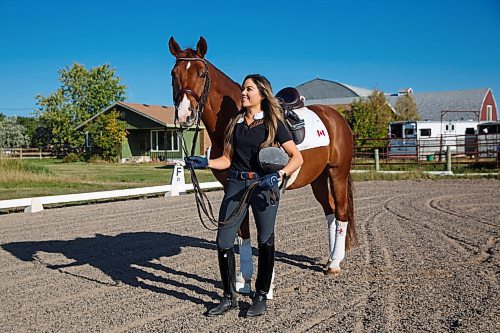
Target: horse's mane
{"x":191,"y":53}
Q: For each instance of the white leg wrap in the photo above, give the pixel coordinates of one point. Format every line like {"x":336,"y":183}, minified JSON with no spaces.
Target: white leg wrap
{"x":243,"y":279}
{"x":270,"y":294}
{"x":337,"y":231}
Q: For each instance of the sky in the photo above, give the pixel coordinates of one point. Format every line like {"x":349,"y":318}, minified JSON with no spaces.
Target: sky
{"x":427,"y":45}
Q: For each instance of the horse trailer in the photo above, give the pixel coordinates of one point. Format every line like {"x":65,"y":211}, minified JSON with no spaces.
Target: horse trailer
{"x":488,"y":139}
{"x":422,"y":139}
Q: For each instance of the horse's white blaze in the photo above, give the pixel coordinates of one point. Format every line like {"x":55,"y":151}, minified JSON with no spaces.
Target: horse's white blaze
{"x":337,"y":231}
{"x":183,"y":109}
{"x":188,"y":65}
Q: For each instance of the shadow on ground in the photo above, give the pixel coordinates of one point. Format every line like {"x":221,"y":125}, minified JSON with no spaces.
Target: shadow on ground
{"x":129,"y":258}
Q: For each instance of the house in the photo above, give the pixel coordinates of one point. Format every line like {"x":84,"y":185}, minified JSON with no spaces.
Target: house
{"x":151,"y":134}
{"x":476,"y":104}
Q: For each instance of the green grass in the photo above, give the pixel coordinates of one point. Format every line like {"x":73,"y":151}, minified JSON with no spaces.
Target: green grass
{"x":30,"y":178}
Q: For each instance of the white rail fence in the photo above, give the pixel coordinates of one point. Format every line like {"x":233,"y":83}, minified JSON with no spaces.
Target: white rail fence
{"x":178,"y":186}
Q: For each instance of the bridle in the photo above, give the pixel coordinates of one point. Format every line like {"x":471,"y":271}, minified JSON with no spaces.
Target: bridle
{"x":200,"y":100}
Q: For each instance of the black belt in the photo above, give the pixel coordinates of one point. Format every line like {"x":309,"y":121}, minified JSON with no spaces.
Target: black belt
{"x":242,"y":175}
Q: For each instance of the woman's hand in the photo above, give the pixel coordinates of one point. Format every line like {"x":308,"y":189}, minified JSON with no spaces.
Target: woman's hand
{"x":196,"y":162}
{"x":268,"y":181}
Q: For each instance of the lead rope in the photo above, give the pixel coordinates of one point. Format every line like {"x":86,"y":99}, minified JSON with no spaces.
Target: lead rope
{"x":203,"y":203}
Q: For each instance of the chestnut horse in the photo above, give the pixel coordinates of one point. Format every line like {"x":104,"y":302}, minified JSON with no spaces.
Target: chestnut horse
{"x":202,"y":90}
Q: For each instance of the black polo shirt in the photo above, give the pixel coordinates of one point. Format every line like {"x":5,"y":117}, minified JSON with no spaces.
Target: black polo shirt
{"x":246,"y":144}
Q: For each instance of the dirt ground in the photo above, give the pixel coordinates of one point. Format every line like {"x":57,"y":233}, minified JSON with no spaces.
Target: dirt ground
{"x":428,"y":262}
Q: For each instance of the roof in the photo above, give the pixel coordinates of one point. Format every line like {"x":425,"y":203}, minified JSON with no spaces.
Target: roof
{"x":326,"y":89}
{"x":431,"y":104}
{"x":161,"y":114}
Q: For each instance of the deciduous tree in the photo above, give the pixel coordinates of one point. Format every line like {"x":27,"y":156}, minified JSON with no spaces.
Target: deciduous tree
{"x":83,"y":93}
{"x":406,"y":108}
{"x":107,"y":132}
{"x":369,"y":118}
{"x":12,"y":134}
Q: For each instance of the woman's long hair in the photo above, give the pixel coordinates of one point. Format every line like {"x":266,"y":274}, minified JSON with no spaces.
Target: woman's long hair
{"x":272,"y":114}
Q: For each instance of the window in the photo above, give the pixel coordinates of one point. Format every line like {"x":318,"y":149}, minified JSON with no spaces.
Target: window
{"x":396,"y":131}
{"x":489,"y":113}
{"x":172,"y":140}
{"x":446,"y":127}
{"x":425,"y":132}
{"x":157,"y":140}
{"x":88,"y":140}
{"x":409,"y":132}
{"x":164,"y":140}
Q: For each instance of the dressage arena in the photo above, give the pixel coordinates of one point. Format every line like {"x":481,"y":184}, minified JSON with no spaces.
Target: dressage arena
{"x":428,"y":262}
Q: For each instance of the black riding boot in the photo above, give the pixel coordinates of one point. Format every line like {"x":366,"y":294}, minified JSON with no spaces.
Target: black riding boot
{"x":264,"y":276}
{"x":227,"y":267}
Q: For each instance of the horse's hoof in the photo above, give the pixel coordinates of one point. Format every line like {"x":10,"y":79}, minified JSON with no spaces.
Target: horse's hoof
{"x":332,"y":271}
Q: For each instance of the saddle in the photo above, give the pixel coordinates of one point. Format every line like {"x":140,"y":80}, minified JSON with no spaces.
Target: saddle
{"x":290,"y":99}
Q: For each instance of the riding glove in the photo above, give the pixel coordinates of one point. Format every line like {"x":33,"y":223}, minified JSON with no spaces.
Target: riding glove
{"x":196,"y":162}
{"x":268,"y":181}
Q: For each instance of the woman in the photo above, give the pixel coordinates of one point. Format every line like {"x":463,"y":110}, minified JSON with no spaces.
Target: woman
{"x":258,"y":125}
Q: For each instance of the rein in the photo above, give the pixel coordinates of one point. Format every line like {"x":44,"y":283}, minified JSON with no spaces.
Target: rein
{"x":204,"y":205}
{"x":202,"y":202}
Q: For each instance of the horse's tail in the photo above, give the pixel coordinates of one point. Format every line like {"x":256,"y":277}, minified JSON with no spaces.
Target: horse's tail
{"x":352,"y":236}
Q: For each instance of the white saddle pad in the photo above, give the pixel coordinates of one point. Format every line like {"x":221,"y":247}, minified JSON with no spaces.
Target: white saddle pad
{"x":316,"y":133}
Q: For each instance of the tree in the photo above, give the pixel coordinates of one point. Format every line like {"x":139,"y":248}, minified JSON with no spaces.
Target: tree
{"x":107,"y":132}
{"x":31,"y":124}
{"x":12,"y":134}
{"x":2,"y":116}
{"x":83,"y":94}
{"x":406,"y":108}
{"x":369,"y":118}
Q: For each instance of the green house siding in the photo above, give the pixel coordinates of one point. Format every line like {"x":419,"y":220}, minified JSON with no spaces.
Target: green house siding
{"x":150,"y":139}
{"x":138,"y":141}
{"x":137,"y":121}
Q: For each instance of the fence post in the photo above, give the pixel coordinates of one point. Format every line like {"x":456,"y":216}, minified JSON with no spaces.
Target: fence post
{"x":21,"y":153}
{"x":448,"y":158}
{"x":377,"y":161}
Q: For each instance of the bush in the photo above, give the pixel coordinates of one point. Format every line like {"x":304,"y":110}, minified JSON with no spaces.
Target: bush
{"x":71,"y":158}
{"x":96,"y":159}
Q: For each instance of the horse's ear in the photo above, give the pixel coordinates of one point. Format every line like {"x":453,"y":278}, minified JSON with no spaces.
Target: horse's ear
{"x":201,"y":47}
{"x":174,"y":48}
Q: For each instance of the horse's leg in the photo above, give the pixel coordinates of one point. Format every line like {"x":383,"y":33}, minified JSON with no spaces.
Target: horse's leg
{"x":337,"y":224}
{"x":324,"y":196}
{"x":244,"y":277}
